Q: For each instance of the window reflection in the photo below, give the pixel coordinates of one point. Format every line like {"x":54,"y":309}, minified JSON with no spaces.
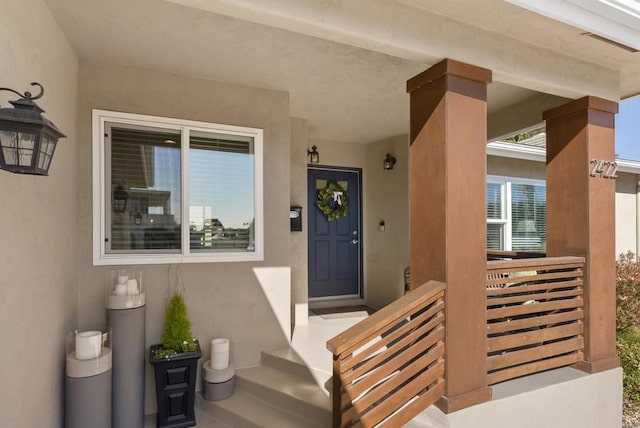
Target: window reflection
{"x":145,"y":185}
{"x":221,"y":192}
{"x":528,"y":217}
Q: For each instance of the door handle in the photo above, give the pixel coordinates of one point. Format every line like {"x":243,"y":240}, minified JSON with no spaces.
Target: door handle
{"x":355,"y":241}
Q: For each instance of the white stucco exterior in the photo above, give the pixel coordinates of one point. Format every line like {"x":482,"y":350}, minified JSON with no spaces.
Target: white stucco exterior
{"x":38,"y":224}
{"x":310,"y":72}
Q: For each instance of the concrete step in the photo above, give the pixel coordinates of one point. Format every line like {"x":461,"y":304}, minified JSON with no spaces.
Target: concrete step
{"x":247,"y":411}
{"x":286,"y":390}
{"x":281,"y":392}
{"x":287,"y":360}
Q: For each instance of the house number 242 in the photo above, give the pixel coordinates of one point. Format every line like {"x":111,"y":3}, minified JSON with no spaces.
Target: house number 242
{"x":604,"y":169}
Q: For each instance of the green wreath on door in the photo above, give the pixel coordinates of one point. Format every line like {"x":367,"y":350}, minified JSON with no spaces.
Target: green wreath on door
{"x":333,"y":201}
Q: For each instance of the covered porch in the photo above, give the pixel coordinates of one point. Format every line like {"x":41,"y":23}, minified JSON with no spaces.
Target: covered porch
{"x":470,"y":324}
{"x":388,"y":367}
{"x":331,"y":74}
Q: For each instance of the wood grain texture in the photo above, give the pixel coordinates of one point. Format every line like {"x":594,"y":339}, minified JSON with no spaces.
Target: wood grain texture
{"x":535,"y":315}
{"x":393,"y":362}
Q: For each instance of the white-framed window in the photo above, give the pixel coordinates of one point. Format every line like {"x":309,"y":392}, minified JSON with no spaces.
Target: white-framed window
{"x":175,"y":191}
{"x":516,"y":214}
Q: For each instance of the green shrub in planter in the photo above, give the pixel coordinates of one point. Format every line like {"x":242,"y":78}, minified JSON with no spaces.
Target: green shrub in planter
{"x":177,"y":337}
{"x":175,"y":363}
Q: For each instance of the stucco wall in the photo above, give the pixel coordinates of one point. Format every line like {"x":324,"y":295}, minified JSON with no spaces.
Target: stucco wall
{"x":299,"y":240}
{"x":387,"y":198}
{"x":508,"y":167}
{"x":37,"y":225}
{"x":247,"y":302}
{"x":338,"y":153}
{"x":626,"y":213}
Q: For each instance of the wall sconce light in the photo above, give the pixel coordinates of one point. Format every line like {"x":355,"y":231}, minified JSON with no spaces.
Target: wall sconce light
{"x":295,"y":215}
{"x":389,"y":161}
{"x":120,"y":197}
{"x":313,"y":153}
{"x":27,"y":138}
{"x":137,"y":218}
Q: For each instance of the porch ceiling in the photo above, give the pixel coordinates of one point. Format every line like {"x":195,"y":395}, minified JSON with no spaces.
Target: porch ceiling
{"x":345,"y":64}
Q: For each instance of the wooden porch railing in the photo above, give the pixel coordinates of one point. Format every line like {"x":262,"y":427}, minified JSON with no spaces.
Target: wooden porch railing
{"x":390,"y":366}
{"x":500,"y":254}
{"x":534,"y":316}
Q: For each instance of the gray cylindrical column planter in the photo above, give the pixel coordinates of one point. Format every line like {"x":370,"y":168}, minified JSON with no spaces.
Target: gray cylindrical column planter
{"x":88,"y":391}
{"x":126,"y":318}
{"x":217,"y":384}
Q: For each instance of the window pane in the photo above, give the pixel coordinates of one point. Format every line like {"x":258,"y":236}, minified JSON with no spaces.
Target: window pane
{"x":528,"y":217}
{"x":9,"y":143}
{"x":495,"y":203}
{"x":145,"y":207}
{"x":46,"y":151}
{"x":495,"y":236}
{"x":17,"y":147}
{"x":221,"y":192}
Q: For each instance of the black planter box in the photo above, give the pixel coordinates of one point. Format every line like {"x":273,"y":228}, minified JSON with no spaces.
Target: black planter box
{"x":176,"y":387}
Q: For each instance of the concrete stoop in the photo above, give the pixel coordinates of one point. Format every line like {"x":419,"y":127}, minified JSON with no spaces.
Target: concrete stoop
{"x":280,"y":392}
{"x":560,"y":398}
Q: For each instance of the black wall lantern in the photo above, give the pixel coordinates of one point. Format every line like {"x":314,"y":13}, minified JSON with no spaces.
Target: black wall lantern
{"x":27,"y":138}
{"x":313,"y":153}
{"x":389,"y":161}
{"x":120,"y":197}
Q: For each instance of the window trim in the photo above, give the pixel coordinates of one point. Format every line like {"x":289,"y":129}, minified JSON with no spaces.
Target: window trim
{"x":507,"y":181}
{"x":99,"y":174}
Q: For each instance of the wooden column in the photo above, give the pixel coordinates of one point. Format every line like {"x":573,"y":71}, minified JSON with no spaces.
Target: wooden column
{"x":448,"y":215}
{"x":581,"y":213}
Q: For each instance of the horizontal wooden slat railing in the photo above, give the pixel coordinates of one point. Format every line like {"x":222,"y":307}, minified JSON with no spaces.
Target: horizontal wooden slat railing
{"x":390,"y":366}
{"x":500,"y":254}
{"x":535,"y":317}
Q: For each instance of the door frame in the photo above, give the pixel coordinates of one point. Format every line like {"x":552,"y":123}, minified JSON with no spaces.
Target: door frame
{"x":360,"y":294}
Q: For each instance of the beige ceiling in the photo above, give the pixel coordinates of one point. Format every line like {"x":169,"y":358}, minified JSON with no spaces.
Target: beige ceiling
{"x":345,"y":68}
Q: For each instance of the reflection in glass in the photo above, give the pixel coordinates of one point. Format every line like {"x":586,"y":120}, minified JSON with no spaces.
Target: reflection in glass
{"x":495,"y":236}
{"x":145,"y":163}
{"x":221,"y":192}
{"x":495,"y":203}
{"x":528,"y":217}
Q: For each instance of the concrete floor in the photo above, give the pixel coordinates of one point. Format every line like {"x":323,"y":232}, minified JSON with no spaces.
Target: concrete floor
{"x":203,"y":420}
{"x":309,"y":342}
{"x":586,"y":400}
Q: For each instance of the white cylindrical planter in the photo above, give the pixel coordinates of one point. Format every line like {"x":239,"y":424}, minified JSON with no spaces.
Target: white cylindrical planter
{"x":125,"y":303}
{"x":219,"y":353}
{"x":87,"y":382}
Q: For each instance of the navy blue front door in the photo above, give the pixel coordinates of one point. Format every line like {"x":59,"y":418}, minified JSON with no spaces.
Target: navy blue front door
{"x":334,"y":246}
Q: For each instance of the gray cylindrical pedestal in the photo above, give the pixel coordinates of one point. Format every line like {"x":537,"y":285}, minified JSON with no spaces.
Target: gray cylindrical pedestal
{"x":88,"y":392}
{"x":127,"y":341}
{"x":217,"y":384}
{"x":219,"y":391}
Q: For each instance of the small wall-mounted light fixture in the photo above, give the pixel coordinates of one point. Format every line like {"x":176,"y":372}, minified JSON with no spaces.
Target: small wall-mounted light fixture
{"x":389,"y":161}
{"x":137,"y":218}
{"x":120,"y":197}
{"x":295,"y":215}
{"x":27,"y":138}
{"x":313,"y":153}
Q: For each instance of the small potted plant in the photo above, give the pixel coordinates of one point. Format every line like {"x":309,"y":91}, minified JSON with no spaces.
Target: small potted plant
{"x":175,"y":362}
